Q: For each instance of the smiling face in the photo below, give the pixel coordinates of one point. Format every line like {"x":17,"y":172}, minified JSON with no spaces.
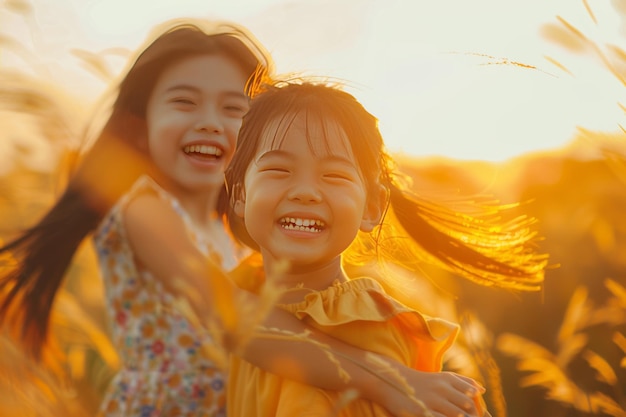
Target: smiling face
{"x":193,"y":118}
{"x":304,"y":199}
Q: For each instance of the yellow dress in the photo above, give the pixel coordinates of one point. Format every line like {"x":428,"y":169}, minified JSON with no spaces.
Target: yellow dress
{"x":357,"y":312}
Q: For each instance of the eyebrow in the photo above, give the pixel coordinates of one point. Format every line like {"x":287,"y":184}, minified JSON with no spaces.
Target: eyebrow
{"x":278,"y":153}
{"x":193,"y":89}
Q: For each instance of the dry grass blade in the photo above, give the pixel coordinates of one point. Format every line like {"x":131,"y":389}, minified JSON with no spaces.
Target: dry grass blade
{"x":252,"y":315}
{"x":69,"y":314}
{"x":521,"y":348}
{"x":19,"y":6}
{"x":492,"y":60}
{"x":575,"y":315}
{"x":236,"y":316}
{"x":537,"y":360}
{"x":616,"y":56}
{"x":618,"y":291}
{"x":558,"y":34}
{"x":18,"y":49}
{"x":562,"y":389}
{"x":613,"y":312}
{"x":480,"y":343}
{"x":94,"y":63}
{"x":570,"y":349}
{"x":573,"y":29}
{"x":590,"y":12}
{"x":392,"y":373}
{"x":551,"y":373}
{"x":344,"y":400}
{"x":620,"y":341}
{"x":618,"y":52}
{"x":27,"y":390}
{"x":551,"y":379}
{"x":382,"y":369}
{"x":558,"y":64}
{"x":599,"y":403}
{"x":601,"y":366}
{"x":569,"y":37}
{"x":607,"y":63}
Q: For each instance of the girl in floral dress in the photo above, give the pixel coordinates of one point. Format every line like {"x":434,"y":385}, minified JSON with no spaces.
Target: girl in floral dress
{"x":150,"y":191}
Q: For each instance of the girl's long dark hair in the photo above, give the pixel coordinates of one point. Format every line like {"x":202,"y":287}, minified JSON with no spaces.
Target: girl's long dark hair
{"x":414,"y":230}
{"x":42,"y":254}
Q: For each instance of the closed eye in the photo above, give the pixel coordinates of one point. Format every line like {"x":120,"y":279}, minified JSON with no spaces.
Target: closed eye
{"x":235,"y":105}
{"x":339,"y":176}
{"x":184,"y":101}
{"x":274,"y":169}
{"x":236,"y":110}
{"x":274,"y":162}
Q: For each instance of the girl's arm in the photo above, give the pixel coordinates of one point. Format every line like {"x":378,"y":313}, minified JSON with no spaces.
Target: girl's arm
{"x":158,"y":238}
{"x":442,"y":393}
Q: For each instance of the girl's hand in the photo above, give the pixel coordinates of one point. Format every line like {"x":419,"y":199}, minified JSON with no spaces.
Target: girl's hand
{"x":443,"y":394}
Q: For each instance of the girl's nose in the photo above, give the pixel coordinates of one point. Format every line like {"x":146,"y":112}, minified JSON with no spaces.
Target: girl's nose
{"x":305,"y":191}
{"x":209,"y":120}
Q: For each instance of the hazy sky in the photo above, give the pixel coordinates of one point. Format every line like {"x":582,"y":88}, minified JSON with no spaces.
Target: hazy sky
{"x":418,"y":65}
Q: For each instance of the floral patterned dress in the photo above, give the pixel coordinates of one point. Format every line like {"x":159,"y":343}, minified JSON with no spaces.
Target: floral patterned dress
{"x":164,"y":371}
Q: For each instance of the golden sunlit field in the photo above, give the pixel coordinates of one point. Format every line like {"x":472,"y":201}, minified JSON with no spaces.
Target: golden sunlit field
{"x":558,"y":352}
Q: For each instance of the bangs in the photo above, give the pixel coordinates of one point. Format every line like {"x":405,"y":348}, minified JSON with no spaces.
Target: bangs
{"x":324,"y":133}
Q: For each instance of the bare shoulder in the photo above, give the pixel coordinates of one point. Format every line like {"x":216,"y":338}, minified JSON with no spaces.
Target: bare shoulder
{"x":148,"y":216}
{"x":159,"y":239}
{"x":144,"y":204}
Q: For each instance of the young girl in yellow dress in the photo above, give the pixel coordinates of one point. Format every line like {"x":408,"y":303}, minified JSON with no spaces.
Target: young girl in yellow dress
{"x":310,"y":176}
{"x":150,"y":192}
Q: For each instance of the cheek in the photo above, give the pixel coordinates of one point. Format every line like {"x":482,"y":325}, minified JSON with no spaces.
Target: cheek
{"x":258,"y":208}
{"x":155,"y":142}
{"x":353,"y":207}
{"x":232,"y":129}
{"x":255,"y":224}
{"x":156,"y":132}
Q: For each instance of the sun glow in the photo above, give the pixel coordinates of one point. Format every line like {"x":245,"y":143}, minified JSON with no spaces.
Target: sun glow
{"x":444,"y":78}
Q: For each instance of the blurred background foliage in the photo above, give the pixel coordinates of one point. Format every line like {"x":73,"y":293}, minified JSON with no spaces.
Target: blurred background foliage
{"x":560,"y":352}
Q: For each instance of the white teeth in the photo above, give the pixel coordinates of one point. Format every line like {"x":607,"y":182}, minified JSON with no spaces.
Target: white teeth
{"x":203,"y":149}
{"x":307,"y":225}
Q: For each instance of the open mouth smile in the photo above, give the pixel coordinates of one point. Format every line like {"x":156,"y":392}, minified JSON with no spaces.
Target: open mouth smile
{"x":304,"y":225}
{"x":203,"y":151}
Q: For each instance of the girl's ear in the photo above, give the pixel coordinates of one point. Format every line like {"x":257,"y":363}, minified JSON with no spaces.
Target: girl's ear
{"x":238,"y":201}
{"x":239,"y":207}
{"x":376,"y":202}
